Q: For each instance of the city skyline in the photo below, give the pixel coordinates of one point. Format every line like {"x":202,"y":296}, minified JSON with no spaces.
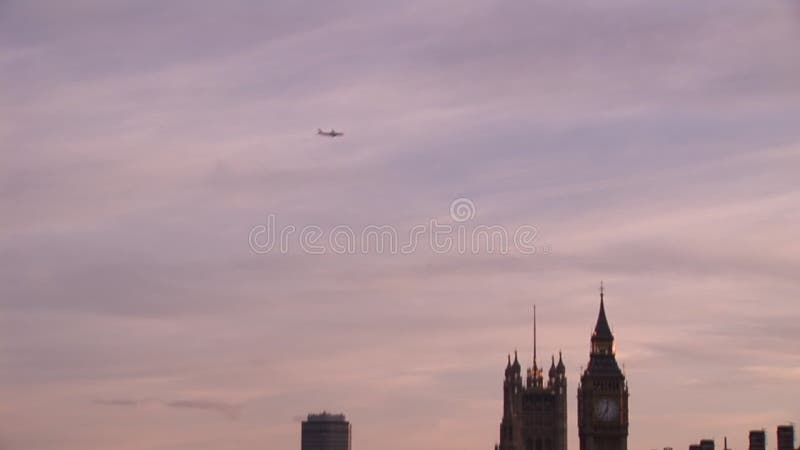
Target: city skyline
{"x":528,"y":427}
{"x":652,"y":145}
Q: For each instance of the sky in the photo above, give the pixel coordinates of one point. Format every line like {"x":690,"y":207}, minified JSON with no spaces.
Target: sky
{"x":651,"y":145}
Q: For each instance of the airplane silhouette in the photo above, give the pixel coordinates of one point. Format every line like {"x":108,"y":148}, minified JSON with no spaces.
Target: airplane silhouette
{"x":332,"y":133}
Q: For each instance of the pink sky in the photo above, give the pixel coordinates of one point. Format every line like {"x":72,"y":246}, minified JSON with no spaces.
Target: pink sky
{"x":653,"y":145}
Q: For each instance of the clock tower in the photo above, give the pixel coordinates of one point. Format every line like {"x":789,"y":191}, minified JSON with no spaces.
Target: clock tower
{"x":603,"y":393}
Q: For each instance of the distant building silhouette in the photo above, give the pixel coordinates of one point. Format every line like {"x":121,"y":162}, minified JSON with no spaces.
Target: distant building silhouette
{"x":758,"y":440}
{"x":603,"y":393}
{"x":705,"y":444}
{"x":326,"y":432}
{"x":786,"y":437}
{"x":534,"y":414}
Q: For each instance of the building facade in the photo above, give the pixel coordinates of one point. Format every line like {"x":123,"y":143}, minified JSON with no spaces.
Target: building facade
{"x":705,"y":444}
{"x":786,"y":437}
{"x":603,"y":393}
{"x":534,"y":412}
{"x":758,"y":440}
{"x":326,"y":432}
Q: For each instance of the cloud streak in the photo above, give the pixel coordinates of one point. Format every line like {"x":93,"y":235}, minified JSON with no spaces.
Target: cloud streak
{"x":228,"y":410}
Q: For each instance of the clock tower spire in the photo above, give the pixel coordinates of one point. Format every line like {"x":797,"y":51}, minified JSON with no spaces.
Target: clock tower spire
{"x":602,"y":338}
{"x":603,"y":393}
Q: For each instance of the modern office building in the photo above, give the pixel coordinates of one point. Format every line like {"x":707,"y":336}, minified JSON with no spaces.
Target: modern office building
{"x":326,"y":432}
{"x":707,"y":444}
{"x":786,"y":437}
{"x":758,"y":440}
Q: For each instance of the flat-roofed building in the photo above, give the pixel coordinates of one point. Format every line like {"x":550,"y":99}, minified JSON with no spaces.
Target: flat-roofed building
{"x":326,"y":432}
{"x":758,"y":440}
{"x":786,"y":437}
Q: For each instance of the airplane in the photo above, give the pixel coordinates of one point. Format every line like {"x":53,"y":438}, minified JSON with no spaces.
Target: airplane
{"x":332,"y":133}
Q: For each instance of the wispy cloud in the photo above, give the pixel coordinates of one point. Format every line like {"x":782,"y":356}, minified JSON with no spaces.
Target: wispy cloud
{"x":229,"y":410}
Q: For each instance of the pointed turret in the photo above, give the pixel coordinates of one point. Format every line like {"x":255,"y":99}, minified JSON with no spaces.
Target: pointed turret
{"x":602,"y":339}
{"x":601,"y":330}
{"x":560,"y":368}
{"x":515,"y":367}
{"x":552,"y":372}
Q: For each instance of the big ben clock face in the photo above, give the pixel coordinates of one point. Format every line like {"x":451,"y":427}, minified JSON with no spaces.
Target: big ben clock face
{"x":606,"y":409}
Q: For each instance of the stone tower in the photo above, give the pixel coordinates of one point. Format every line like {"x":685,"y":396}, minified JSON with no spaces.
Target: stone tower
{"x":603,"y":393}
{"x":534,"y":413}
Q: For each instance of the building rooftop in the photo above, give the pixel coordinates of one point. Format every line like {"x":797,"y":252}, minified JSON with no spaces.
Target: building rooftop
{"x":326,"y":417}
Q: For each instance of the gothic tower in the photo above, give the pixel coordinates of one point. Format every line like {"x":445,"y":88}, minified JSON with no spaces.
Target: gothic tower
{"x":603,"y":393}
{"x":534,"y":413}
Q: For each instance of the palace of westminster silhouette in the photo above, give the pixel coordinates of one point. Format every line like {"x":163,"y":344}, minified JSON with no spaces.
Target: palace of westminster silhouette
{"x":535,"y":412}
